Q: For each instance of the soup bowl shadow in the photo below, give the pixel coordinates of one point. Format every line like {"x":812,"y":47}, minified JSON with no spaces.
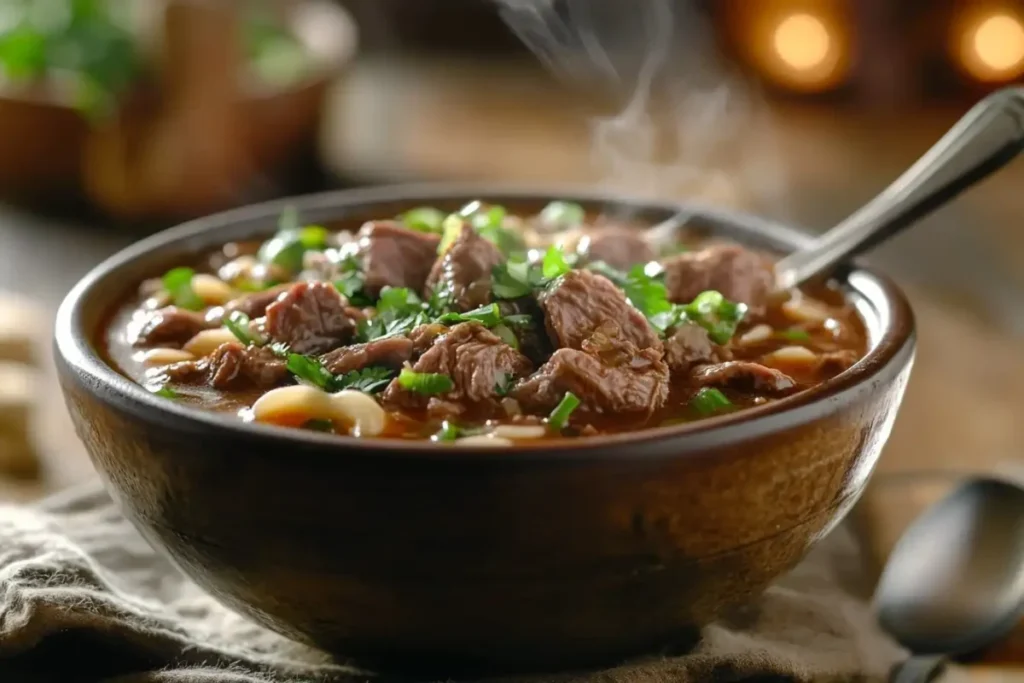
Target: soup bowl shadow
{"x":410,"y":556}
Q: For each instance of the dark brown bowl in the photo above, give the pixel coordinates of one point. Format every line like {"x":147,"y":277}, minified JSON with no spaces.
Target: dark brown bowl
{"x":408,"y":555}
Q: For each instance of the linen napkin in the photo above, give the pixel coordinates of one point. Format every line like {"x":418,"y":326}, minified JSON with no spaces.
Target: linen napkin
{"x":84,"y":598}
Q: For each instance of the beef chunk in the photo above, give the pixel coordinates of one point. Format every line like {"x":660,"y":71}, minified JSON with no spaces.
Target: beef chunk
{"x":231,"y":366}
{"x":744,"y":376}
{"x":581,"y":301}
{"x":170,"y":326}
{"x":463,"y":273}
{"x":690,"y":345}
{"x":394,"y":256}
{"x":477,"y":362}
{"x":617,"y":246}
{"x":423,"y":337}
{"x":390,"y":352}
{"x":837,"y":361}
{"x":311,"y":317}
{"x":739,"y":274}
{"x":255,"y":305}
{"x":609,"y":375}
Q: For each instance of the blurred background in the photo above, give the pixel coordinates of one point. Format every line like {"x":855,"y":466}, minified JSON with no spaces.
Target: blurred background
{"x":121,"y":117}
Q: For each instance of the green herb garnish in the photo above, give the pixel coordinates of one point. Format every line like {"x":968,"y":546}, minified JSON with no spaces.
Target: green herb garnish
{"x":506,"y":335}
{"x":511,"y":280}
{"x":719,"y":316}
{"x":427,"y":383}
{"x":310,"y":370}
{"x":489,"y":316}
{"x":279,"y":349}
{"x":166,"y":392}
{"x":368,"y":380}
{"x":178,"y":283}
{"x":794,"y":334}
{"x":238,"y":323}
{"x":559,"y":417}
{"x":292,"y":241}
{"x":563,"y":214}
{"x":555,"y":263}
{"x":424,"y":219}
{"x":449,"y":432}
{"x":709,"y":401}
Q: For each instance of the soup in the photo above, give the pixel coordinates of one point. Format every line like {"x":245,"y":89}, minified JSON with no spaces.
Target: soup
{"x":479,"y":327}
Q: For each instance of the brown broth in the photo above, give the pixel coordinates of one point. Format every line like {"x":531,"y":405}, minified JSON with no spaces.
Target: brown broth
{"x":842,"y":330}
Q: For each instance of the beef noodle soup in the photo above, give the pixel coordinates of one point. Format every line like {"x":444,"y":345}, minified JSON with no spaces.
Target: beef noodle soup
{"x":479,"y":327}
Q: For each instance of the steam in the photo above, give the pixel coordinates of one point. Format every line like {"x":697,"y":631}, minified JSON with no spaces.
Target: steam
{"x":683,"y":123}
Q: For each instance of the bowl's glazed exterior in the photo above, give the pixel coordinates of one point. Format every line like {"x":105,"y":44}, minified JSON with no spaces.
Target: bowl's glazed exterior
{"x":407,"y":555}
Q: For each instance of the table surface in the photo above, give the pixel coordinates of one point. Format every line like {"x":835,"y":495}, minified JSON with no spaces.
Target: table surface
{"x":454,"y":121}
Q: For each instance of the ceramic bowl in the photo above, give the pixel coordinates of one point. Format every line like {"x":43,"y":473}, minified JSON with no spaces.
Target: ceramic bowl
{"x":412,"y":556}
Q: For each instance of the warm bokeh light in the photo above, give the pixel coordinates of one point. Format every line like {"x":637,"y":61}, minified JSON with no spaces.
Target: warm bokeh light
{"x":802,"y":41}
{"x":991,"y":45}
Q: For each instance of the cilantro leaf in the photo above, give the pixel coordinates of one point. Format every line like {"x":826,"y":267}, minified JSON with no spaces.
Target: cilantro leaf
{"x":292,"y":241}
{"x":424,"y":219}
{"x":178,"y":283}
{"x":368,"y":380}
{"x":555,"y":263}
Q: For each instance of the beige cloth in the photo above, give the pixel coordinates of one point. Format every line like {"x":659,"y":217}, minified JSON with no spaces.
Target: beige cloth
{"x":84,"y":598}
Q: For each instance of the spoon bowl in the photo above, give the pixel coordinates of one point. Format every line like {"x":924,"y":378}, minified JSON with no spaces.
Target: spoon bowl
{"x":955,"y":581}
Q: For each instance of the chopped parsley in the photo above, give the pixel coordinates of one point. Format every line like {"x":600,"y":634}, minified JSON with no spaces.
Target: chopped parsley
{"x":286,"y":248}
{"x":489,"y":316}
{"x":559,"y":417}
{"x":562,"y":214}
{"x":488,"y":220}
{"x":555,"y":263}
{"x":424,"y":219}
{"x":517,"y":277}
{"x":709,"y":401}
{"x":794,"y":334}
{"x":166,"y":392}
{"x":311,"y":371}
{"x":427,"y":383}
{"x":178,"y":283}
{"x":719,"y":316}
{"x":399,"y":310}
{"x":238,"y":323}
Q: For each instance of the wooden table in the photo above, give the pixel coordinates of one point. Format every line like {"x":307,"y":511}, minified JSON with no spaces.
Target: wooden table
{"x":501,"y":123}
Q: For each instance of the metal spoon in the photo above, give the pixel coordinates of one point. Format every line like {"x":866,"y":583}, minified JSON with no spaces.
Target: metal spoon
{"x":983,"y":141}
{"x":955,"y":580}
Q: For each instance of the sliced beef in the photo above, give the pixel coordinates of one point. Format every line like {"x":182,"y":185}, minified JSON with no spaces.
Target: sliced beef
{"x":690,"y":345}
{"x":423,"y":337}
{"x":390,"y":352}
{"x":533,"y":340}
{"x":617,"y":246}
{"x":608,"y":375}
{"x":580,"y":302}
{"x":474,"y":358}
{"x":170,"y":326}
{"x":394,"y":256}
{"x":311,"y":317}
{"x":744,"y":376}
{"x":463,"y":273}
{"x":739,"y":274}
{"x":255,"y":305}
{"x":231,"y":366}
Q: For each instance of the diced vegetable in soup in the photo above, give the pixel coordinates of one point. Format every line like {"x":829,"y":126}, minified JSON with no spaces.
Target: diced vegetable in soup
{"x":479,"y":328}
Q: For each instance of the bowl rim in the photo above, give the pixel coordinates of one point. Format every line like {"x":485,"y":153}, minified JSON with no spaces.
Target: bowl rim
{"x":889,"y":355}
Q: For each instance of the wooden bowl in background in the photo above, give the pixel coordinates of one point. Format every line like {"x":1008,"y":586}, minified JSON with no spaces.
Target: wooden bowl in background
{"x":44,"y":140}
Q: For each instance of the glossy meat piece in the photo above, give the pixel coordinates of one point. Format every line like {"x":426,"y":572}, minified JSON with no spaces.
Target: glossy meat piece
{"x":170,"y":326}
{"x":462,"y":274}
{"x":474,"y":358}
{"x":311,"y":317}
{"x":688,"y":345}
{"x":743,"y":376}
{"x":423,"y":336}
{"x":390,"y":352}
{"x":617,"y":246}
{"x":395,"y":256}
{"x":739,"y":274}
{"x":581,"y":301}
{"x":231,"y":366}
{"x":608,"y":375}
{"x":255,"y":305}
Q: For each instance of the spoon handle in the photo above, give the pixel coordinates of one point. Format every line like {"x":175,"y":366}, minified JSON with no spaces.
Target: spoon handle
{"x":984,"y":140}
{"x":918,"y":669}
